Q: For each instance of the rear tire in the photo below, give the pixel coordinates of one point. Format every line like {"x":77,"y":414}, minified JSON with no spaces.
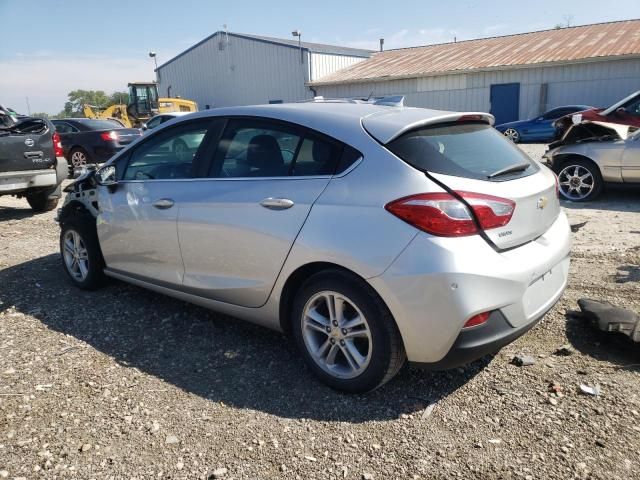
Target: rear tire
{"x":78,"y":158}
{"x":512,"y":134}
{"x":40,"y":202}
{"x":354,"y":351}
{"x":80,"y":252}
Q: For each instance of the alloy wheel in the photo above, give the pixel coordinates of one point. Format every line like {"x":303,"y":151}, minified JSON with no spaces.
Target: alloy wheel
{"x":512,"y":134}
{"x":76,"y":256}
{"x":78,"y":159}
{"x":576,"y":182}
{"x":336,"y":334}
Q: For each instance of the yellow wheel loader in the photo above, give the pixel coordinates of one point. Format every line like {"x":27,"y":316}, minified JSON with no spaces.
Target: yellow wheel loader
{"x":143,"y":104}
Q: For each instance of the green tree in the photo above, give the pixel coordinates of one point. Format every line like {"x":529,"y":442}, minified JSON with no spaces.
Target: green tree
{"x":78,"y":98}
{"x":40,"y":115}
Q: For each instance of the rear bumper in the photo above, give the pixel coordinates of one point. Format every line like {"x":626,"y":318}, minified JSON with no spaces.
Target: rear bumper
{"x":436,"y":284}
{"x":20,"y":181}
{"x":477,"y":342}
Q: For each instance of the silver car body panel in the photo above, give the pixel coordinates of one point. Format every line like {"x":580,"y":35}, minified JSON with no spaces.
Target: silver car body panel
{"x":618,"y":160}
{"x":218,"y":248}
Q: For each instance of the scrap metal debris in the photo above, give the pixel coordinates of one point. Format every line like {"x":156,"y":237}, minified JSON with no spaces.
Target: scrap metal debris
{"x":609,"y":318}
{"x":523,"y":360}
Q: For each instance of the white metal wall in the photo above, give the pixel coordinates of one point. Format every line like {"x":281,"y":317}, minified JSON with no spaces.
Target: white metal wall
{"x":596,"y":83}
{"x":324,"y":64}
{"x":226,"y":71}
{"x":238,"y":72}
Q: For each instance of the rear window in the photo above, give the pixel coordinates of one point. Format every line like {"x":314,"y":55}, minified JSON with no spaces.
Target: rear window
{"x":470,"y":150}
{"x":100,"y":124}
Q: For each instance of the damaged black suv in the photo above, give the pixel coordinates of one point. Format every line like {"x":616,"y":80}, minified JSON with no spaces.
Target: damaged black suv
{"x":32,"y":164}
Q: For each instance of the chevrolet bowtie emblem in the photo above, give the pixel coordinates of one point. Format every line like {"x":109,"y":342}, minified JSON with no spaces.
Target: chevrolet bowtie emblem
{"x":542,"y":202}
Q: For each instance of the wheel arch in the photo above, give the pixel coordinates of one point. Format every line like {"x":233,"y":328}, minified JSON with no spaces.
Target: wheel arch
{"x":562,"y":159}
{"x":294,"y":282}
{"x":72,"y":209}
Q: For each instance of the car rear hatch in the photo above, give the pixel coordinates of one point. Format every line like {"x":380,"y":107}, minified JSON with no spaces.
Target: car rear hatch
{"x":27,"y":145}
{"x":468,"y":158}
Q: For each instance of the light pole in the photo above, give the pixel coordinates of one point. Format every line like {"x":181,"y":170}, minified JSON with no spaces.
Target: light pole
{"x":155,"y":61}
{"x":298,"y":33}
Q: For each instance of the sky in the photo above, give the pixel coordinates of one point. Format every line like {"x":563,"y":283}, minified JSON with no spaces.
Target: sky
{"x":50,"y":47}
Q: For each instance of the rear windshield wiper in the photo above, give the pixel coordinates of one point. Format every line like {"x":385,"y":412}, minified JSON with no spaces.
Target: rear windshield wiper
{"x":518,"y":167}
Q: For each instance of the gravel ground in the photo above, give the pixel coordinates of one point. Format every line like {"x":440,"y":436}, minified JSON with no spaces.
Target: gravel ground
{"x":125,"y":383}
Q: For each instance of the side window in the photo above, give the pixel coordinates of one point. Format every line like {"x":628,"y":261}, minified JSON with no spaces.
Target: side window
{"x":553,"y":114}
{"x":257,"y":148}
{"x":63,"y":127}
{"x":633,"y":108}
{"x":154,"y":122}
{"x":168,"y":155}
{"x":316,"y":157}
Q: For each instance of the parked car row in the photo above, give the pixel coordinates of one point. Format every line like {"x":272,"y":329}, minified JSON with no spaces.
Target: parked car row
{"x":373,"y":234}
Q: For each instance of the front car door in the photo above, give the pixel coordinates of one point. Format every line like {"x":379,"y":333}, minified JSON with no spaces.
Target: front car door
{"x":236,"y":227}
{"x":631,"y":159}
{"x":137,"y":224}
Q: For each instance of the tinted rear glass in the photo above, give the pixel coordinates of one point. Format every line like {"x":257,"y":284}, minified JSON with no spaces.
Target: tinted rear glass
{"x":100,"y":124}
{"x":471,"y":150}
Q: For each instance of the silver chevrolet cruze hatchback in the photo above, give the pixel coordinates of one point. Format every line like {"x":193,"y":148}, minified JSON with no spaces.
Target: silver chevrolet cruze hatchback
{"x":371,"y":233}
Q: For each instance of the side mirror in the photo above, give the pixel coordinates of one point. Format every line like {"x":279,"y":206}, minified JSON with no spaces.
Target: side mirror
{"x":621,"y":110}
{"x":106,"y":176}
{"x":144,"y":127}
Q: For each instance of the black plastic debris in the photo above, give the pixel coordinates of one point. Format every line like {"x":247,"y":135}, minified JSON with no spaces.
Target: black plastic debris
{"x":609,"y":318}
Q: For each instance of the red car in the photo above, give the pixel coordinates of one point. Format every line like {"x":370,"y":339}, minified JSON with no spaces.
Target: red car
{"x":624,"y":112}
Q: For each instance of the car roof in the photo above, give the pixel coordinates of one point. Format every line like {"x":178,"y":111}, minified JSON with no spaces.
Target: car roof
{"x":340,"y":119}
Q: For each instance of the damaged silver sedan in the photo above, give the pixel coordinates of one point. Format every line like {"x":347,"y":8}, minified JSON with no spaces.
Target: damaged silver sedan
{"x":593,"y":154}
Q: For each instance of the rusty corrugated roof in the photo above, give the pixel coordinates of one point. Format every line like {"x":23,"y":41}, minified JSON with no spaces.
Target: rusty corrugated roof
{"x":573,"y":44}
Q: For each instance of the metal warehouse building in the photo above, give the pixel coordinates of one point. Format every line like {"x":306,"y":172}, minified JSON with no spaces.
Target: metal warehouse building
{"x":228,"y":69}
{"x":514,"y":77}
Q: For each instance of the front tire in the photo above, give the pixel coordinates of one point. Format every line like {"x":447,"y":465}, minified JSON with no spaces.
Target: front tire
{"x":345,"y":332}
{"x":579,"y":180}
{"x":80,"y":251}
{"x":40,"y":202}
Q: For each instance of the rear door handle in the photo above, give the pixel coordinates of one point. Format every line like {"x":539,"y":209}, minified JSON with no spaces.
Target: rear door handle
{"x":163,"y":203}
{"x":276,"y":203}
{"x":32,"y":155}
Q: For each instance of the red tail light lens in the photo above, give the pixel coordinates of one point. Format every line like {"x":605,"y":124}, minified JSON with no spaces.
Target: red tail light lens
{"x":444,"y":215}
{"x":108,"y":136}
{"x":476,"y":320}
{"x":57,"y":145}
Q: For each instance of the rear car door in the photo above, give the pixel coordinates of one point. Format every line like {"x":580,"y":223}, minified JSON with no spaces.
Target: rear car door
{"x":137,"y":224}
{"x":236,"y":227}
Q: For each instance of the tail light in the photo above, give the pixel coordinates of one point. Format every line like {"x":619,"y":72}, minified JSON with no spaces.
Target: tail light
{"x":108,"y":136}
{"x":476,"y":320}
{"x":444,"y":215}
{"x":57,"y":145}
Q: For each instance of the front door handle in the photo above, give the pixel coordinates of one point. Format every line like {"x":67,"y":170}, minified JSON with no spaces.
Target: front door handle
{"x":163,"y":203}
{"x":276,"y":203}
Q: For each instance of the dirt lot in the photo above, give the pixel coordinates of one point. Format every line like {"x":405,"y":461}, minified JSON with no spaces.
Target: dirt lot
{"x":125,"y":383}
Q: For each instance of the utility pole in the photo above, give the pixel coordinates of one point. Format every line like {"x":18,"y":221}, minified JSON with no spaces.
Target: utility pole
{"x":28,"y":107}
